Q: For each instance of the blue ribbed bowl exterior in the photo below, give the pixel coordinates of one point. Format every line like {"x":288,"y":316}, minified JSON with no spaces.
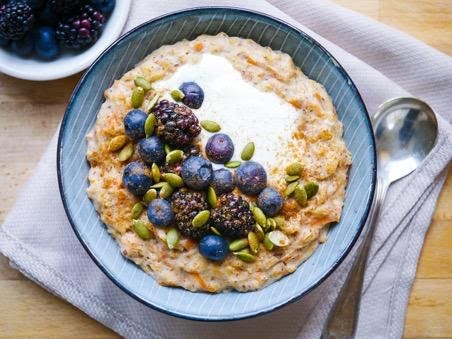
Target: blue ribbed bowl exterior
{"x":314,"y":61}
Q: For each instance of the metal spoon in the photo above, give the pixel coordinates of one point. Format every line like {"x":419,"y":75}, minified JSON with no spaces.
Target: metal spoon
{"x":405,"y":131}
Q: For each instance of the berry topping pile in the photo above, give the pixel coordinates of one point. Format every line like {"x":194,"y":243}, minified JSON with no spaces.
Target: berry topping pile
{"x":188,"y":196}
{"x":47,"y":27}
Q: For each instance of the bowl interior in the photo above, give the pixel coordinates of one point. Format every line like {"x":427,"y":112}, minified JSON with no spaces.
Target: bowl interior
{"x":314,"y":61}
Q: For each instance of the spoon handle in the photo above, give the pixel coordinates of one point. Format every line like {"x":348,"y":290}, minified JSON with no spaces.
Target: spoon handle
{"x":343,"y":317}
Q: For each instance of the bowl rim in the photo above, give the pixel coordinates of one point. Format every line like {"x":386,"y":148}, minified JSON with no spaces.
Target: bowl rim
{"x":269,"y":309}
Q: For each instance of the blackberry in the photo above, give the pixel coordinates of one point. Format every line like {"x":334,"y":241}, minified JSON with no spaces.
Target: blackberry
{"x":81,"y":30}
{"x":177,"y":124}
{"x":186,"y":204}
{"x":232,"y":216}
{"x":65,"y":7}
{"x":16,"y":20}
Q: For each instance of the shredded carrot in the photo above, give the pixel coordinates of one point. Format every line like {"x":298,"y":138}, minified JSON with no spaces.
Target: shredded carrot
{"x":296,"y":103}
{"x":202,"y":283}
{"x":198,"y":46}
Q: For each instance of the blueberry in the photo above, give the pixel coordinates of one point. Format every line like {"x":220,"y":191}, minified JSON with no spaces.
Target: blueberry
{"x":134,"y":124}
{"x":220,"y":148}
{"x":105,"y":6}
{"x":213,"y":247}
{"x":151,"y":150}
{"x":35,"y":4}
{"x":160,"y":213}
{"x":3,"y":41}
{"x":197,"y":172}
{"x":46,"y":44}
{"x":251,"y":178}
{"x":193,"y":94}
{"x":222,"y":181}
{"x":23,"y":47}
{"x":270,"y":201}
{"x":137,"y":178}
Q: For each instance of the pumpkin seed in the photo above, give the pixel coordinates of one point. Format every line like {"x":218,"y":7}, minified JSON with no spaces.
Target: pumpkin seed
{"x":311,"y":189}
{"x":210,"y":126}
{"x":159,"y":185}
{"x":232,"y":164}
{"x":244,"y":256}
{"x":267,"y":243}
{"x":259,"y":232}
{"x":126,"y":152}
{"x":238,"y":244}
{"x":174,"y":156}
{"x":291,"y":178}
{"x":248,"y":151}
{"x":172,"y":237}
{"x":149,"y":125}
{"x":280,"y":221}
{"x":173,"y":179}
{"x":139,"y":226}
{"x":137,"y":97}
{"x":143,"y":83}
{"x":150,"y":195}
{"x":212,"y":197}
{"x":278,"y":238}
{"x":270,"y":224}
{"x":117,"y":143}
{"x":201,"y":219}
{"x":137,"y":209}
{"x":215,"y":231}
{"x":300,"y":196}
{"x":167,"y":148}
{"x":290,"y":188}
{"x":166,"y":191}
{"x":177,"y":94}
{"x":149,"y":105}
{"x":259,"y":216}
{"x":294,"y":169}
{"x":253,"y":242}
{"x":155,"y":172}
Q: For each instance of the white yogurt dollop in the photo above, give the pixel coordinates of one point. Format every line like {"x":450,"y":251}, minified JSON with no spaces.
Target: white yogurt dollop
{"x":244,"y":112}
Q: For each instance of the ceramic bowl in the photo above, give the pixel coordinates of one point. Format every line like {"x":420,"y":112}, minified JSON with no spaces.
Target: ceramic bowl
{"x":315,"y":62}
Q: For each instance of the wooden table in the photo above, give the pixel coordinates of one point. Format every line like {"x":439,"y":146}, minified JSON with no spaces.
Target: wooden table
{"x":30,"y":113}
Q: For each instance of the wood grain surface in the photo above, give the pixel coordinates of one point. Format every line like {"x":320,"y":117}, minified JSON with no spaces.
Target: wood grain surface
{"x":30,"y":113}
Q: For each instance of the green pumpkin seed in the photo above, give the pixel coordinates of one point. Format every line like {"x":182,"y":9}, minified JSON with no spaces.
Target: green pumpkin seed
{"x":166,"y":191}
{"x":290,"y":188}
{"x":137,"y":97}
{"x":173,"y":179}
{"x":174,"y":156}
{"x":155,"y":172}
{"x":253,"y":242}
{"x":212,"y":197}
{"x":139,"y":226}
{"x":232,"y":164}
{"x":300,"y":196}
{"x":172,"y":237}
{"x":311,"y":188}
{"x":294,"y":169}
{"x":248,"y":151}
{"x":267,"y":243}
{"x":215,"y":231}
{"x":159,"y":185}
{"x":210,"y":126}
{"x":238,"y":244}
{"x":137,"y":209}
{"x":201,"y":219}
{"x":278,"y":238}
{"x":244,"y":256}
{"x":117,"y":143}
{"x":126,"y":152}
{"x":259,"y":216}
{"x":291,"y":178}
{"x":259,"y":232}
{"x":150,"y":195}
{"x":177,"y":94}
{"x":280,"y":221}
{"x":149,"y":125}
{"x":167,"y":148}
{"x":149,"y":105}
{"x":270,"y":224}
{"x":143,"y":83}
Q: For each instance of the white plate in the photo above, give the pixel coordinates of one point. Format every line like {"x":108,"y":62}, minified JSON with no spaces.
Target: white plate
{"x":66,"y":64}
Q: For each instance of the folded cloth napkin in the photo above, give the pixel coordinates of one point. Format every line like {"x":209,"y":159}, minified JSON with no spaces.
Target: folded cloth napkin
{"x":384,"y":63}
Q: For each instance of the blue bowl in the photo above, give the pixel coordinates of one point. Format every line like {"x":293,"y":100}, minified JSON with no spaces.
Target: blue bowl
{"x":314,"y":61}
